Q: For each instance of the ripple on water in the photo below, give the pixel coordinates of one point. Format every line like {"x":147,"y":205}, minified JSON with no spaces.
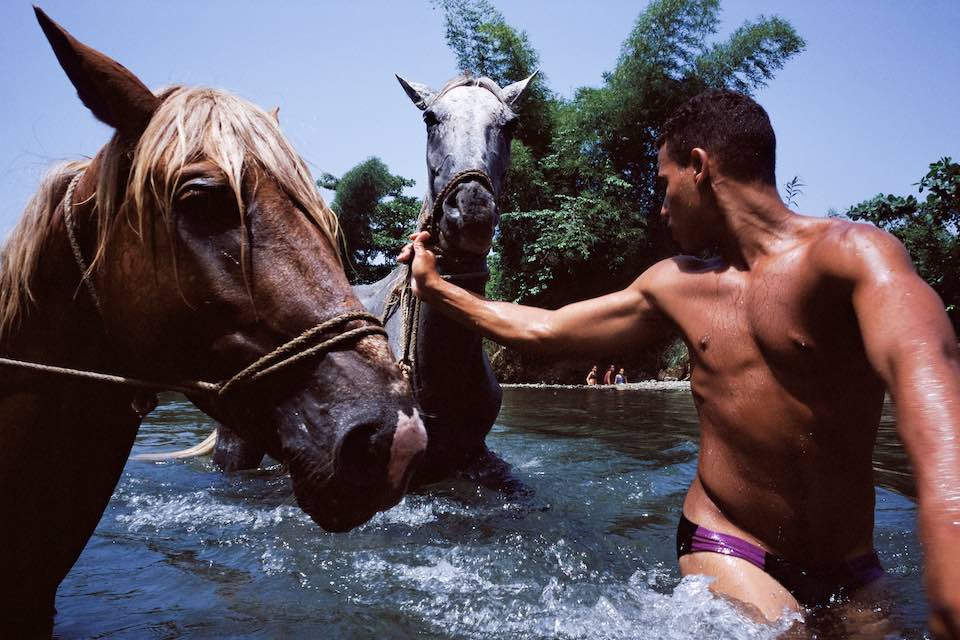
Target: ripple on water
{"x":454,"y":600}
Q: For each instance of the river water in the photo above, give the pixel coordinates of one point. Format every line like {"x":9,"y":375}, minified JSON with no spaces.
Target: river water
{"x":587,"y":551}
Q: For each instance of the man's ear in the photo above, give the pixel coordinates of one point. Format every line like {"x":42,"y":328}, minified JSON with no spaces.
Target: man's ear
{"x":106,"y":87}
{"x":700,"y":161}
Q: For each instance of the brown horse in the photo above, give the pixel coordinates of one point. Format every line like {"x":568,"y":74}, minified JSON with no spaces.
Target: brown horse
{"x":208,"y":247}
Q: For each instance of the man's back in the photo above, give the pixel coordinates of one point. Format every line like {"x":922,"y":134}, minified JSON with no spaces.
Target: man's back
{"x":780,"y":374}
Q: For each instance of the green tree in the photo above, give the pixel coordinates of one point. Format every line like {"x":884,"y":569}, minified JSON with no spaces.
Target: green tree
{"x":600,"y":166}
{"x":581,"y":202}
{"x":793,"y":189}
{"x":486,"y":45}
{"x":928,"y":229}
{"x":375,"y":216}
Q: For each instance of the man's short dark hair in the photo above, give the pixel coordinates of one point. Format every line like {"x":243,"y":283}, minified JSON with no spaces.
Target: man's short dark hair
{"x":732,"y":127}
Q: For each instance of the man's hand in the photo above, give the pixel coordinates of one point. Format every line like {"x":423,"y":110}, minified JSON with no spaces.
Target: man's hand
{"x":423,"y":263}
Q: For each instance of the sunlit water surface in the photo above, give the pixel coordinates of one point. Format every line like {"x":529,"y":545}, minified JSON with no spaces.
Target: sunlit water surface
{"x":587,"y":552}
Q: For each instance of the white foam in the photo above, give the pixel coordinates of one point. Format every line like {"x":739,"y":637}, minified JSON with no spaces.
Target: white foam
{"x":417,"y":511}
{"x":197,"y":510}
{"x":453,"y":596}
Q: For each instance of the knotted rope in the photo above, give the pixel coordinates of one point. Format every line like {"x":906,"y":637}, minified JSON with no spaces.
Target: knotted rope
{"x":74,"y":244}
{"x":285,"y":355}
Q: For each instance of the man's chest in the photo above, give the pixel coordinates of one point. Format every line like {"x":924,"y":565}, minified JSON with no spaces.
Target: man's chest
{"x":777,"y":318}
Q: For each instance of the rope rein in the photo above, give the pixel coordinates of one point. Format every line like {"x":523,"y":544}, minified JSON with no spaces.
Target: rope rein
{"x":402,"y":297}
{"x":306,"y":345}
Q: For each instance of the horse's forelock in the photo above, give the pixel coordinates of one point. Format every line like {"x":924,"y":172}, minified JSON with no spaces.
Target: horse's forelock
{"x":191,"y":124}
{"x":194,"y":124}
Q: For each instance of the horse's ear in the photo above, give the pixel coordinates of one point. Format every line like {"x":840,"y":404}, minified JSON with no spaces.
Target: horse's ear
{"x":275,"y":114}
{"x":421,"y":94}
{"x":513,"y":92}
{"x":107,"y":88}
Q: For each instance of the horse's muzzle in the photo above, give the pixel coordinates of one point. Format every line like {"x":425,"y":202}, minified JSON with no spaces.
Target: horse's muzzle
{"x":372,"y":466}
{"x":470,"y":217}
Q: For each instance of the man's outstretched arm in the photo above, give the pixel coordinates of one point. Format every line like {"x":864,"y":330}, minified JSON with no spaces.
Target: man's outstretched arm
{"x":625,"y":319}
{"x":911,"y":344}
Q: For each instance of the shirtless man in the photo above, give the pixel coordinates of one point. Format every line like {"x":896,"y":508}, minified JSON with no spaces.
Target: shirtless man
{"x":795,"y":328}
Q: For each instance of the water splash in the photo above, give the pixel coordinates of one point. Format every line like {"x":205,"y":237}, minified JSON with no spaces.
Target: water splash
{"x":198,"y":510}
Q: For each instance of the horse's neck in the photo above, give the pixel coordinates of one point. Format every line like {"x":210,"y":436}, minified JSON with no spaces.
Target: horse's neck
{"x":63,"y":325}
{"x":445,"y":348}
{"x":63,"y":441}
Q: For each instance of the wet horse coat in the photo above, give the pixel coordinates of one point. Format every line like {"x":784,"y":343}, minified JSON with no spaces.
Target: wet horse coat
{"x":207,"y":247}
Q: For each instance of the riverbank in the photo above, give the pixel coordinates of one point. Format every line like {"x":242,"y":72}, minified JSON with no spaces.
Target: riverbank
{"x":631,"y":386}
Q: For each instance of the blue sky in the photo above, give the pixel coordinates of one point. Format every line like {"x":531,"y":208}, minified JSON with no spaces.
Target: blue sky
{"x":869,"y":104}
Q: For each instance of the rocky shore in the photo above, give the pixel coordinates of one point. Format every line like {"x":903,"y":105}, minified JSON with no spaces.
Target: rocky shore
{"x":632,"y":386}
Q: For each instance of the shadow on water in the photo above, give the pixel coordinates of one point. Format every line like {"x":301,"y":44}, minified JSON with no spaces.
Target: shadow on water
{"x":587,"y":552}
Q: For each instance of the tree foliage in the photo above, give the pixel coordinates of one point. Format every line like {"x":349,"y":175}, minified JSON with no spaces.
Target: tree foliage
{"x":375,"y":217}
{"x":581,"y":206}
{"x":928,"y":228}
{"x":486,"y":45}
{"x":793,"y":189}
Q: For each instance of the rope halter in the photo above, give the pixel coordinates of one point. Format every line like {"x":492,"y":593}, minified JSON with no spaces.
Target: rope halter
{"x":310,"y":343}
{"x":401,"y":296}
{"x":431,"y":222}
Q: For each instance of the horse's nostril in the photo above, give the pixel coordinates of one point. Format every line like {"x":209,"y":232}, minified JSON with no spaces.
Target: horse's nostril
{"x":358,"y":462}
{"x":452,"y":203}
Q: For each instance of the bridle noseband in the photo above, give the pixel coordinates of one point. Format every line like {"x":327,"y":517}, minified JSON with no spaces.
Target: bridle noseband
{"x":431,"y":222}
{"x":308,"y":344}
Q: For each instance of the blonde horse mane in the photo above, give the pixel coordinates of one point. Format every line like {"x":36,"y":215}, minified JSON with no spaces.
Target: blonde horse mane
{"x":190,"y":125}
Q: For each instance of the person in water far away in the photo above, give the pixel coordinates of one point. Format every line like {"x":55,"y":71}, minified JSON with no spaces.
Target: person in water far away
{"x":592,"y":376}
{"x":795,"y":329}
{"x":608,"y":376}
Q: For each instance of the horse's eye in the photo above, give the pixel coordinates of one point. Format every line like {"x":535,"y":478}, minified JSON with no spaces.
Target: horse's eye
{"x":198,"y":187}
{"x":430,"y":118}
{"x":510,"y":125}
{"x":206,"y":206}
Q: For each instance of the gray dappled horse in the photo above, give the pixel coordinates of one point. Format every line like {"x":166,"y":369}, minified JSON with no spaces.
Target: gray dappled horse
{"x":470,"y":122}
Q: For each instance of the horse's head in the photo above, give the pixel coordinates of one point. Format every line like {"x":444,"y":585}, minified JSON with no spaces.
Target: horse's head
{"x":470,"y":123}
{"x":210,"y":248}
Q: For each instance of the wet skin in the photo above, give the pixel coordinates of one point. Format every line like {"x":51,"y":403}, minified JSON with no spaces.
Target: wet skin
{"x":795,"y":330}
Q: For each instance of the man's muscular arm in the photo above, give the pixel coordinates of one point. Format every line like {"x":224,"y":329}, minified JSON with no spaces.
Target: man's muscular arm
{"x":911,"y":344}
{"x":625,"y":319}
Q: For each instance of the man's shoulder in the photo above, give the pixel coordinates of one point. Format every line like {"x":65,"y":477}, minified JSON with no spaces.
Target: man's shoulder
{"x":678,"y":268}
{"x":675,"y":276}
{"x":851,"y":249}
